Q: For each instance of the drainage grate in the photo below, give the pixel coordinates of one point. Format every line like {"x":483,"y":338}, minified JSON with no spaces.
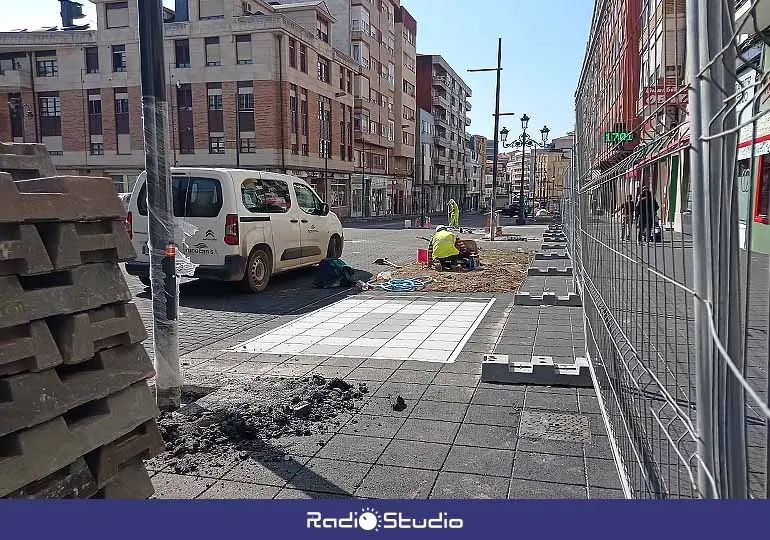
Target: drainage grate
{"x":554,"y":427}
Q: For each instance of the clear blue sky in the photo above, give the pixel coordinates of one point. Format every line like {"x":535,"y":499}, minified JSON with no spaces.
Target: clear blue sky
{"x":543,"y":47}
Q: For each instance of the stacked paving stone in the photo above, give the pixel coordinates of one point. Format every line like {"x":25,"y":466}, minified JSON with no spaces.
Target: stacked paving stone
{"x":77,"y":417}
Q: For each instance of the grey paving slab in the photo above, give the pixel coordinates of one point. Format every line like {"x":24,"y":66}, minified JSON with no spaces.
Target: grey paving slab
{"x":503,"y":438}
{"x":406,"y":390}
{"x":499,"y":395}
{"x":413,"y":454}
{"x":380,"y":406}
{"x":417,"y":429}
{"x":452,"y":485}
{"x":387,"y":482}
{"x":271,"y":471}
{"x":552,"y":401}
{"x":454,"y":394}
{"x":286,"y":493}
{"x":412,"y":376}
{"x":549,"y":468}
{"x":531,"y":489}
{"x":374,"y":426}
{"x":353,"y":447}
{"x":439,"y":410}
{"x":177,"y":486}
{"x":602,"y":473}
{"x":229,"y":489}
{"x":457,"y":379}
{"x":330,"y":476}
{"x":493,"y":415}
{"x":330,"y":372}
{"x":475,"y":460}
{"x":605,"y":494}
{"x":374,"y":374}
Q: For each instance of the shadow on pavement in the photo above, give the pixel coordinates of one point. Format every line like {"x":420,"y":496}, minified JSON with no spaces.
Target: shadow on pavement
{"x":289,"y":293}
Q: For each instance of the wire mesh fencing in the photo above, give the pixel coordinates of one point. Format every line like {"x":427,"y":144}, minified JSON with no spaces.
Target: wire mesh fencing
{"x":669,"y":241}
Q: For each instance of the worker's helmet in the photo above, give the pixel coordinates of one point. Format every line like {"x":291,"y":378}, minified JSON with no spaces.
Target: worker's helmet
{"x":441,"y":228}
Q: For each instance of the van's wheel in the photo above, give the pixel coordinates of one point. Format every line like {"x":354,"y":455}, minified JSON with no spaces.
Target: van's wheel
{"x":145,"y":281}
{"x":334,"y":250}
{"x":258,"y":272}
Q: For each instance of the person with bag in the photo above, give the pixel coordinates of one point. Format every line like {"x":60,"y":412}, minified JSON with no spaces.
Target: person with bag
{"x":645,"y":211}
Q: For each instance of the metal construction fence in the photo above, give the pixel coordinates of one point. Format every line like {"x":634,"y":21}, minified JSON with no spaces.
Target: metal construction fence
{"x":676,"y":294}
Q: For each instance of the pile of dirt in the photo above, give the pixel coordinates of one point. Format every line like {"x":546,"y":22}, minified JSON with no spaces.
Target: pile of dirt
{"x":499,"y":271}
{"x":257,"y":411}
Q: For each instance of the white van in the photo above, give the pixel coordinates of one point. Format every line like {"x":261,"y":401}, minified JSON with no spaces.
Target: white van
{"x":249,"y":224}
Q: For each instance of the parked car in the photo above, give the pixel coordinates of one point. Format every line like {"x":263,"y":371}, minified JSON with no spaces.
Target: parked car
{"x":512,"y":210}
{"x":249,"y":225}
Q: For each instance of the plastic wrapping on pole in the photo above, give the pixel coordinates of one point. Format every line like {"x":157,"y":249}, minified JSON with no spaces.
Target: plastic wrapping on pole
{"x":162,"y":230}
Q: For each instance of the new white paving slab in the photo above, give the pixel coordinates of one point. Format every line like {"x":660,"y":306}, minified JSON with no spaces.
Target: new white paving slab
{"x":392,"y":328}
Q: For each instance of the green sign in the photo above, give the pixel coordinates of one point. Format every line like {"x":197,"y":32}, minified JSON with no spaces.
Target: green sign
{"x":615,"y":137}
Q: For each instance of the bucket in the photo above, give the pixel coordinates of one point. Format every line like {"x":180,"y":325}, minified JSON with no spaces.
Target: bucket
{"x":422,"y":256}
{"x":407,"y":224}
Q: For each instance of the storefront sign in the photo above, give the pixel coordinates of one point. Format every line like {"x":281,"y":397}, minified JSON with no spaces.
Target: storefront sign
{"x":658,"y":95}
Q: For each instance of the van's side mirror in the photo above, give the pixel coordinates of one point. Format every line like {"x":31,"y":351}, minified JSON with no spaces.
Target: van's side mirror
{"x":324,"y":209}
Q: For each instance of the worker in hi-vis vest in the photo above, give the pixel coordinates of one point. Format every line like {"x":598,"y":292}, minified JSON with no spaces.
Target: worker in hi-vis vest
{"x":443,"y":247}
{"x":453,"y":213}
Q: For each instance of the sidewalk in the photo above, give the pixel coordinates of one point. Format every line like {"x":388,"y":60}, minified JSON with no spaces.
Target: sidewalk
{"x":455,"y":438}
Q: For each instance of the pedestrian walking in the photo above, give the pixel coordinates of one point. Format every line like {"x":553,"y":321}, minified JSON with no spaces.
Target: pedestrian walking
{"x":626,"y":211}
{"x":645,"y":211}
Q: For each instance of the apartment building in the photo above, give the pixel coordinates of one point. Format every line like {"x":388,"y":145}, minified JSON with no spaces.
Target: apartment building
{"x":475,"y":156}
{"x":250,"y":84}
{"x":446,"y":95}
{"x":379,"y":36}
{"x":424,"y":164}
{"x":550,"y":174}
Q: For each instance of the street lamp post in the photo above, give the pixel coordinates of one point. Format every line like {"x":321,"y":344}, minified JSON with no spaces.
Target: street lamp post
{"x":524,"y":141}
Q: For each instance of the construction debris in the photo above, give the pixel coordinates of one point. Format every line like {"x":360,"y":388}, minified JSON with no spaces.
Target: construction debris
{"x":253,"y":416}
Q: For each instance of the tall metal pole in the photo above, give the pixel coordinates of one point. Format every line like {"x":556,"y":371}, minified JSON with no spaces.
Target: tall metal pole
{"x":492,"y":220}
{"x":237,"y":130}
{"x":165,"y":292}
{"x":520,"y":220}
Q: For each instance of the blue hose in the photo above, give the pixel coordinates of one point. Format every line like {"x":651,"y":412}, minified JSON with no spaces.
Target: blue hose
{"x":403,"y":284}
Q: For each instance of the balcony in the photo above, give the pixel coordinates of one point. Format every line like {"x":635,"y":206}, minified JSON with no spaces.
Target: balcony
{"x":440,"y":101}
{"x":441,"y":160}
{"x":15,"y":79}
{"x":441,"y":140}
{"x":442,"y":82}
{"x":467,"y":121}
{"x":442,"y":121}
{"x":467,"y":105}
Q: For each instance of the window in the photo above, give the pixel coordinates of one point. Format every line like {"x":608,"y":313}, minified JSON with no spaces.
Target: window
{"x":322,"y":30}
{"x":46,"y":64}
{"x":215,"y":102}
{"x":50,"y":106}
{"x":324,"y":69}
{"x":96,"y":149}
{"x":292,"y":53}
{"x":248,"y":145}
{"x":121,"y":115}
{"x":182,"y":53}
{"x":303,"y":58}
{"x":266,"y":196}
{"x":342,"y":78}
{"x":243,"y":49}
{"x":95,"y":114}
{"x":408,"y":88}
{"x":408,"y":113}
{"x":117,"y":14}
{"x":118,"y":58}
{"x":303,"y":115}
{"x":324,"y":126}
{"x":350,"y":82}
{"x":305,"y":149}
{"x":308,"y":201}
{"x":92,"y":59}
{"x":192,"y":197}
{"x":212,"y":52}
{"x":216,"y":145}
{"x":246,"y":102}
{"x":762,"y":208}
{"x":359,"y":19}
{"x":293,"y":107}
{"x":211,"y":9}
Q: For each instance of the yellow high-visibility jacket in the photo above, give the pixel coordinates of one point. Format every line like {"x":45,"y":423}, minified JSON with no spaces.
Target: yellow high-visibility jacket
{"x":443,"y":245}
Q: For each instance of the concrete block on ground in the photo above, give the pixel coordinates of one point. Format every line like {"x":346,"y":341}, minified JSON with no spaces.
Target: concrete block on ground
{"x":73,"y":244}
{"x":73,"y":481}
{"x":27,"y":347}
{"x":547,"y":299}
{"x":144,"y":442}
{"x":58,"y":198}
{"x":131,"y":482}
{"x":34,"y":453}
{"x":557,"y":238}
{"x":550,"y":271}
{"x":30,"y":399}
{"x":553,"y":246}
{"x":540,"y":370}
{"x":27,"y":298}
{"x":26,"y":160}
{"x":550,"y":256}
{"x":22,"y":250}
{"x":81,"y":335}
